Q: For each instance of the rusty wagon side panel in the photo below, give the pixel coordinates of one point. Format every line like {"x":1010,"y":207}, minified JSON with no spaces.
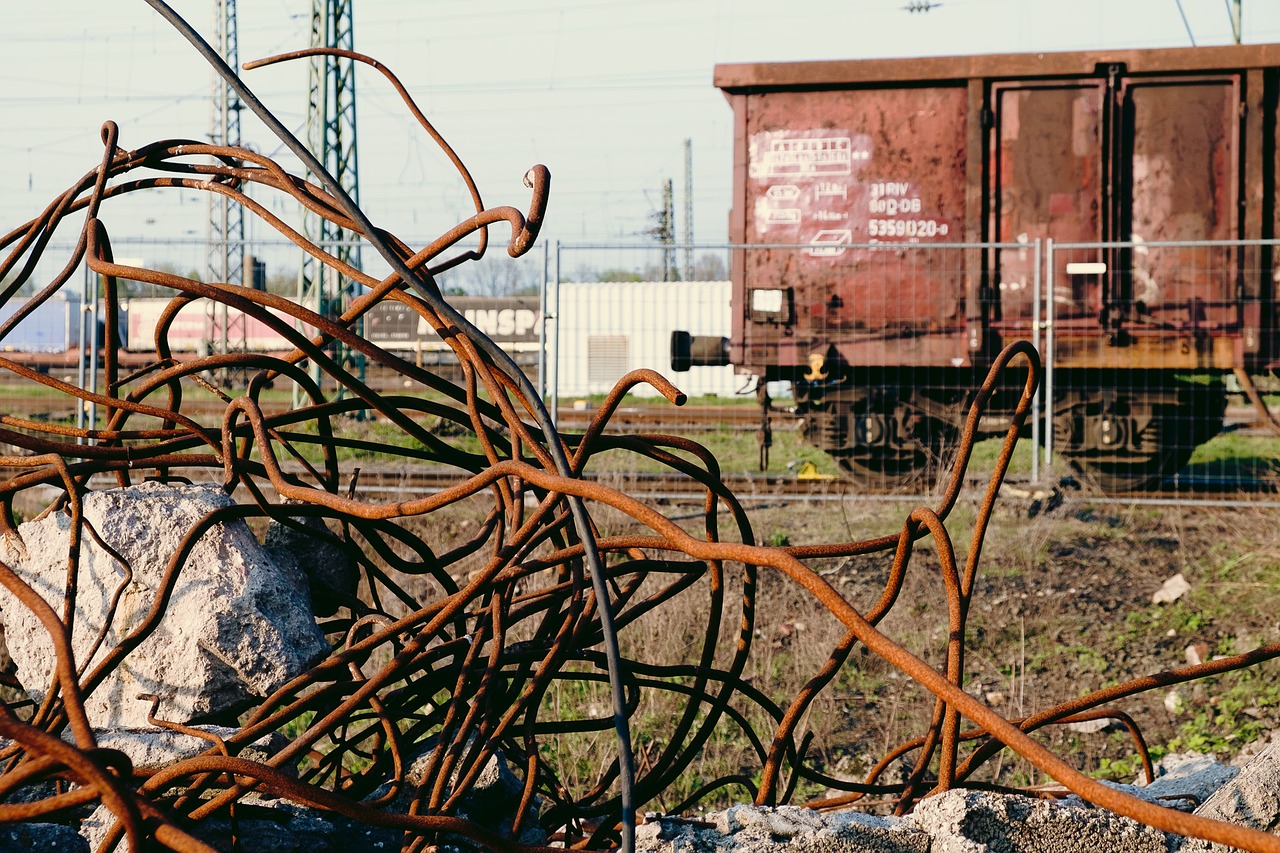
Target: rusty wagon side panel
{"x":1137,"y":145}
{"x":866,"y":166}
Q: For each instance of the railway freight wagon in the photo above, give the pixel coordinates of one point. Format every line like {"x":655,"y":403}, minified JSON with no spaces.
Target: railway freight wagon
{"x":902,"y":220}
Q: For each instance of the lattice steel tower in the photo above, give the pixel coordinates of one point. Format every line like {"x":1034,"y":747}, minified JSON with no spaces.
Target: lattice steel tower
{"x":225,"y":234}
{"x":331,"y":136}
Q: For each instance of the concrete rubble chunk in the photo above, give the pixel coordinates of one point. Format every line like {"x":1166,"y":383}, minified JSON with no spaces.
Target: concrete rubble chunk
{"x":961,"y":821}
{"x":752,"y":829}
{"x":238,"y":623}
{"x":39,"y":837}
{"x":1171,"y":590}
{"x":154,"y":749}
{"x":958,"y":821}
{"x":332,"y":573}
{"x":1251,"y":799}
{"x":267,"y":825}
{"x":1183,"y":780}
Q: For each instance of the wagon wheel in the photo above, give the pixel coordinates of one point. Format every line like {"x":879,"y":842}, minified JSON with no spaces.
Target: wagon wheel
{"x":1165,"y":445}
{"x":916,"y":450}
{"x":879,"y":471}
{"x":1133,"y":474}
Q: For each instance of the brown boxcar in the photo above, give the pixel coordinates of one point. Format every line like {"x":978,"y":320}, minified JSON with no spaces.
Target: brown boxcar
{"x":898,"y":217}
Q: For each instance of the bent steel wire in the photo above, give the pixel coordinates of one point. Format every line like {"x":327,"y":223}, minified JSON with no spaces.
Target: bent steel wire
{"x":454,"y":648}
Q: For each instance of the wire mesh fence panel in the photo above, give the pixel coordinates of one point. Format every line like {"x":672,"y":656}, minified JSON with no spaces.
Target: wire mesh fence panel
{"x":613,"y":313}
{"x":616,"y":313}
{"x":1156,"y":355}
{"x":868,"y":353}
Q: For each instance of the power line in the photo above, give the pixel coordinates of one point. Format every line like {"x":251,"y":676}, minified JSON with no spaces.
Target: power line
{"x":332,"y":140}
{"x":1185,"y":23}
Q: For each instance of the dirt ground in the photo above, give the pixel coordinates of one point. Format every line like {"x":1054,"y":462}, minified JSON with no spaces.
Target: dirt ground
{"x":1062,"y":605}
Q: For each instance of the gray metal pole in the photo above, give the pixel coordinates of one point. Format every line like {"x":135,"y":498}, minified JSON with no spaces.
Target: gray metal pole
{"x":94,"y":343}
{"x":1036,"y":321}
{"x":542,"y":322}
{"x":82,"y":364}
{"x":554,"y":318}
{"x":1050,"y":285}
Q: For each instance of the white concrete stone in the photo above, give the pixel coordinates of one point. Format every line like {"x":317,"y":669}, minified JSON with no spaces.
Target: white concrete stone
{"x":1250,"y":799}
{"x":237,"y":625}
{"x":785,"y":829}
{"x":962,"y":821}
{"x":154,"y":749}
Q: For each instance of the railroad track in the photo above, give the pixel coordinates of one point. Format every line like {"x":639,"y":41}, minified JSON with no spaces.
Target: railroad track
{"x":381,"y":484}
{"x":628,"y":419}
{"x":425,"y":480}
{"x":756,"y":487}
{"x":658,"y":417}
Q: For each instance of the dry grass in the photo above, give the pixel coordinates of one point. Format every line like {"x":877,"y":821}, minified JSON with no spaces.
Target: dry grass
{"x":1061,"y":607}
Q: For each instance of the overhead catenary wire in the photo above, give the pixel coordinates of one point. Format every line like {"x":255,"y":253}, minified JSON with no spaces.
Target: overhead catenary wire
{"x":1185,"y":23}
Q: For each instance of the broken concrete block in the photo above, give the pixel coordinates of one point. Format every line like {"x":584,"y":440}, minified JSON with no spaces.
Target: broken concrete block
{"x":752,"y":829}
{"x":332,"y":573}
{"x":154,"y":749}
{"x":37,"y":837}
{"x":1183,"y":780}
{"x":266,"y":825}
{"x":1251,"y":799}
{"x":237,"y":625}
{"x":961,"y":821}
{"x":1171,"y":590}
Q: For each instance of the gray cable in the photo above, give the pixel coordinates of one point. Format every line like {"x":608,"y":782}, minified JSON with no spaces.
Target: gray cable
{"x":609,"y":636}
{"x":1186,"y":24}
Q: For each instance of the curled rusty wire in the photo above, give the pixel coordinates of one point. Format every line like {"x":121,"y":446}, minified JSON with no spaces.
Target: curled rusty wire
{"x":453,"y":652}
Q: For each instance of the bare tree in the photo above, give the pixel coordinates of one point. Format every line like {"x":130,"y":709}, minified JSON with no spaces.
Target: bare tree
{"x":495,"y":275}
{"x":709,"y":267}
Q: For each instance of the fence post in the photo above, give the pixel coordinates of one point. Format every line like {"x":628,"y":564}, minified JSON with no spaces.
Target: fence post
{"x":542,"y":321}
{"x":554,"y":318}
{"x":82,"y":363}
{"x":94,"y":342}
{"x":1047,"y":356}
{"x":1036,"y":309}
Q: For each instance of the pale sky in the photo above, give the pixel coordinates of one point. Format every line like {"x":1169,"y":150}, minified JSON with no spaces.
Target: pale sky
{"x":604,"y":92}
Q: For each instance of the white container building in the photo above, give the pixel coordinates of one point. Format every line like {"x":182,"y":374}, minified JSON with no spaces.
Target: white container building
{"x":607,"y":329}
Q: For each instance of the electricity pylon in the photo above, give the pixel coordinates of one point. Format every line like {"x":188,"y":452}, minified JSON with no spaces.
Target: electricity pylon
{"x":225,"y":234}
{"x":331,"y":136}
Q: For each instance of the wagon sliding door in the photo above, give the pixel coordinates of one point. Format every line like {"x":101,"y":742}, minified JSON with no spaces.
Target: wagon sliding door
{"x":1184,"y":186}
{"x":1112,"y":159}
{"x":1047,"y":182}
